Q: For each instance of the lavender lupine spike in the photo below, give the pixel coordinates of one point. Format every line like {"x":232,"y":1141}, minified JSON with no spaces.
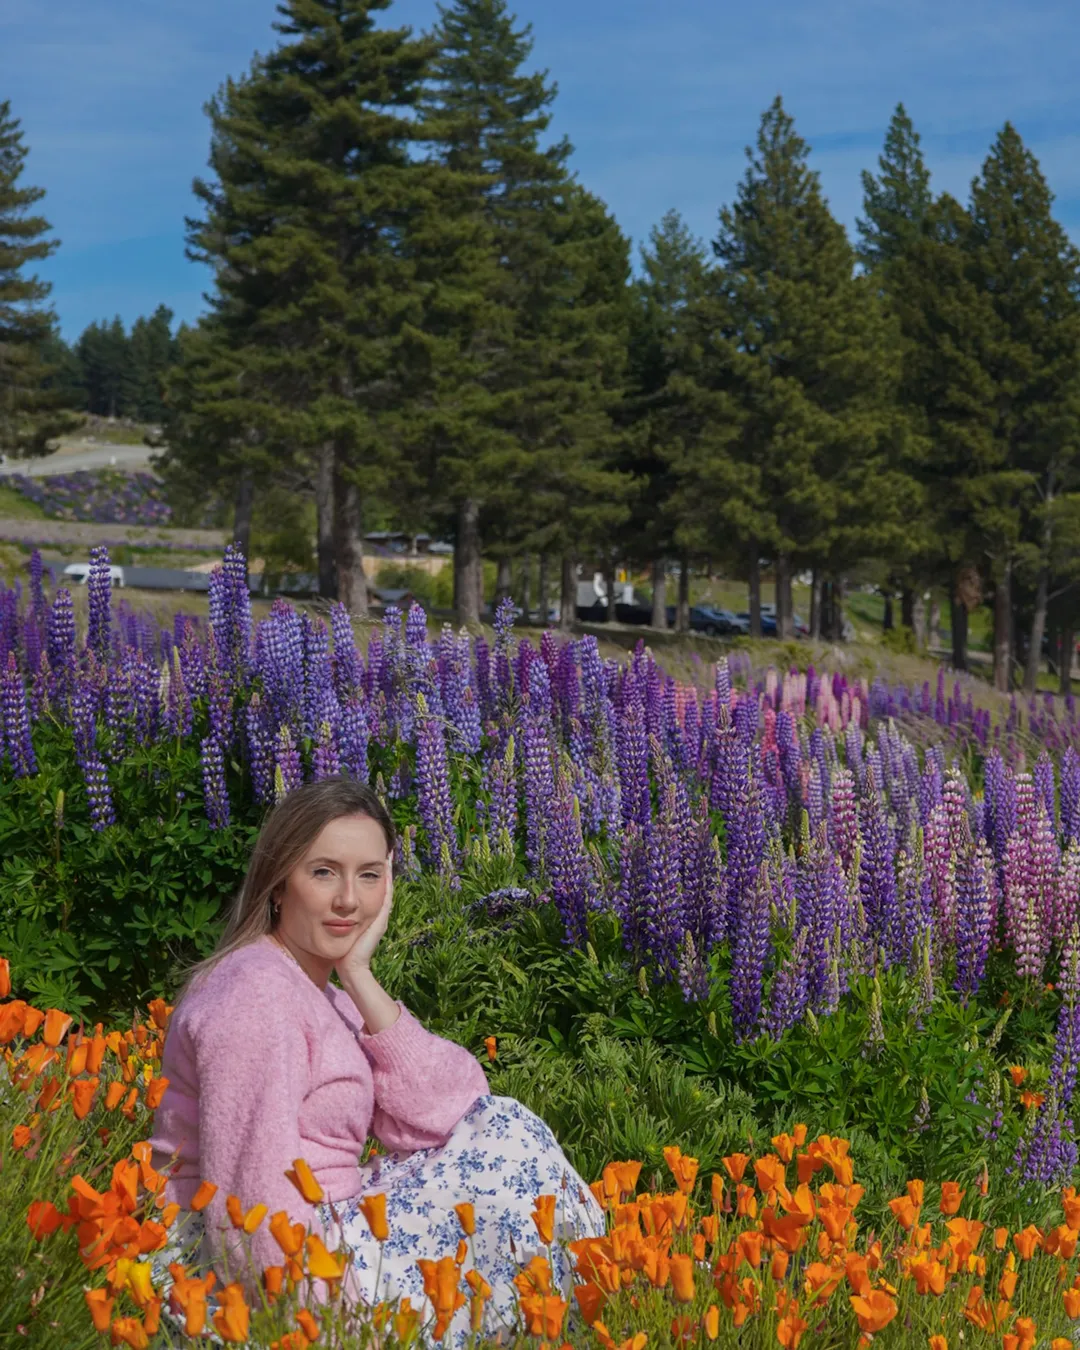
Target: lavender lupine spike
{"x":1070,"y":795}
{"x":750,"y":952}
{"x":458,"y":695}
{"x":15,"y":722}
{"x":178,"y":714}
{"x":844,"y":821}
{"x":215,"y":792}
{"x":503,"y":810}
{"x":347,"y":663}
{"x":723,"y":685}
{"x":819,"y":887}
{"x":1068,"y":890}
{"x":260,"y":750}
{"x":325,"y":762}
{"x":1043,"y":783}
{"x":974,"y":915}
{"x":634,"y":761}
{"x":788,"y":997}
{"x":433,"y":791}
{"x":288,"y":770}
{"x":940,"y":871}
{"x":60,"y":646}
{"x":877,"y":875}
{"x":353,"y":737}
{"x":99,"y":588}
{"x":573,"y":886}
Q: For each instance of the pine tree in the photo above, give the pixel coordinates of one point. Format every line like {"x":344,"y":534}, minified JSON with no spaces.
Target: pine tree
{"x":895,"y":204}
{"x":29,"y":408}
{"x":817,"y":369}
{"x":1022,"y":259}
{"x":104,"y":355}
{"x":151,"y":351}
{"x":304,"y":224}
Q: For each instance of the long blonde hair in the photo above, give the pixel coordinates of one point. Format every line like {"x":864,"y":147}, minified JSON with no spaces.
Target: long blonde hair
{"x":287,"y":833}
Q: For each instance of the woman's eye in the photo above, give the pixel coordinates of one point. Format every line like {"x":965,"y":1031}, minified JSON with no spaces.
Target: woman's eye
{"x":319,"y":870}
{"x":369,"y":876}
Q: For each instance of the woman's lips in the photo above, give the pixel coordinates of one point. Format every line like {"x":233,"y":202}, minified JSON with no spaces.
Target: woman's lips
{"x":340,"y":927}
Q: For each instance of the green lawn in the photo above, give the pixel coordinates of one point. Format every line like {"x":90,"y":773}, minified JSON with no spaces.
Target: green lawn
{"x":14,"y":506}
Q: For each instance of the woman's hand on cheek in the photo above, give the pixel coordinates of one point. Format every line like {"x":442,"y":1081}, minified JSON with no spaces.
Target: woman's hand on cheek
{"x":362,"y":950}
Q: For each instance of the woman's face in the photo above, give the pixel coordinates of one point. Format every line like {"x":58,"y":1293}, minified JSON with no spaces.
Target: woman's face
{"x":335,"y":891}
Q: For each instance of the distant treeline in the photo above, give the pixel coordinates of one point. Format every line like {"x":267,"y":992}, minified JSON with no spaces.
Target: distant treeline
{"x":112,"y":372}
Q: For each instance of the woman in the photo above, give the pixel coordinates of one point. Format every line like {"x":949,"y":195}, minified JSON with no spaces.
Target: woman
{"x":268,"y":1062}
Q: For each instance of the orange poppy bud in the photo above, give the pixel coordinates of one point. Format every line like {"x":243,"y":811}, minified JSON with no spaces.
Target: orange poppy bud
{"x":56,"y":1027}
{"x":273,"y":1281}
{"x":100,"y":1305}
{"x":308,"y":1325}
{"x":466,"y":1217}
{"x":303,"y":1179}
{"x":5,"y":977}
{"x":233,"y":1317}
{"x":254,"y":1217}
{"x":544,"y":1218}
{"x":951,"y":1195}
{"x":916,"y":1190}
{"x":202,"y":1197}
{"x":1071,"y":1298}
{"x":719,"y":1194}
{"x":735,"y":1165}
{"x":681,"y":1267}
{"x":683,"y":1168}
{"x":374,"y":1210}
{"x":490,"y":1046}
{"x":779,"y":1265}
{"x":155,"y":1091}
{"x":82,"y":1096}
{"x":938,"y":1342}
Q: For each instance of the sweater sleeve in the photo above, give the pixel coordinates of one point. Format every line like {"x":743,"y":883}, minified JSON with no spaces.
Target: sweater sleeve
{"x":253,"y":1065}
{"x":424,"y":1084}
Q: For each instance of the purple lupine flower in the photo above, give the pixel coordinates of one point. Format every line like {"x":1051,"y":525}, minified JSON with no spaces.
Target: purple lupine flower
{"x":482,"y":667}
{"x":215,"y":792}
{"x":745,"y":852}
{"x":573,"y":886}
{"x":1032,"y":941}
{"x":433,"y":791}
{"x":346,"y":663}
{"x":940,"y":871}
{"x":320,"y":702}
{"x":703,"y":886}
{"x":633,"y":898}
{"x":37,"y":593}
{"x":15,"y":722}
{"x":974,"y":915}
{"x":1043,"y":783}
{"x":501,"y":681}
{"x":539,"y":762}
{"x":98,"y":793}
{"x":99,"y":588}
{"x":179,"y":715}
{"x":502,"y":810}
{"x":819,"y":889}
{"x":279,"y":657}
{"x":723,"y":685}
{"x":288,"y":769}
{"x":843,"y":818}
{"x":1070,"y":795}
{"x":1067,"y":907}
{"x":459,"y":699}
{"x":60,"y":645}
{"x":325,"y":762}
{"x":788,"y":996}
{"x":1000,"y":797}
{"x":353,"y":738}
{"x":260,"y":750}
{"x":633,"y":760}
{"x":877,"y":872}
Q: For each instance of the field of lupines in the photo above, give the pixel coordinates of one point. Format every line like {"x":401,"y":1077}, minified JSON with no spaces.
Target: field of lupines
{"x":689,"y":913}
{"x":104,"y":496}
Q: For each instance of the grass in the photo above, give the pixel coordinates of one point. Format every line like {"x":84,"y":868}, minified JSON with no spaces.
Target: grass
{"x":14,"y":506}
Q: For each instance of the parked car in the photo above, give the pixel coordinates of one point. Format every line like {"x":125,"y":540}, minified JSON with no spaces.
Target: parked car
{"x":709,"y":620}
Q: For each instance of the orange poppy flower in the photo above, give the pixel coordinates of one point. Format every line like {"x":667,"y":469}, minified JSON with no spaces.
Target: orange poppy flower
{"x":1024,"y":1328}
{"x":233,"y":1317}
{"x":905,"y":1212}
{"x":1062,"y":1343}
{"x":1017,"y":1073}
{"x":374,"y":1211}
{"x":711,"y":1321}
{"x":273,"y":1281}
{"x":590,"y":1298}
{"x":938,"y":1342}
{"x":778,"y":1267}
{"x":735,"y":1165}
{"x":100,"y":1305}
{"x":834,"y":1219}
{"x":1030,"y":1100}
{"x":11,"y":1020}
{"x":916,"y":1191}
{"x":1070,"y":1202}
{"x":769,"y":1172}
{"x":748,"y":1245}
{"x":56,"y":1027}
{"x":790,"y":1328}
{"x":1071,"y":1298}
{"x":32,"y":1019}
{"x":490,"y":1045}
{"x":441,"y":1287}
{"x":114,"y":1094}
{"x":202,"y":1197}
{"x":785,"y":1146}
{"x":746,"y":1202}
{"x":302,"y":1177}
{"x":544,"y":1218}
{"x":155,"y":1092}
{"x":875,"y":1310}
{"x":683,"y":1168}
{"x":951,"y":1195}
{"x":787,"y":1231}
{"x":43,"y":1218}
{"x":822,"y":1281}
{"x":308,"y":1325}
{"x":325,"y":1265}
{"x":5,"y":977}
{"x":928,"y":1274}
{"x":1026,"y":1241}
{"x":466,"y":1217}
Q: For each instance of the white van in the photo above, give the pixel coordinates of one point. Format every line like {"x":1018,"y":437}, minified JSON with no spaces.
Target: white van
{"x":79,"y":573}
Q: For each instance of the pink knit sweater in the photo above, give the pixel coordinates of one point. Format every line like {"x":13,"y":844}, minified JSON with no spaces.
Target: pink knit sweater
{"x":264,"y":1067}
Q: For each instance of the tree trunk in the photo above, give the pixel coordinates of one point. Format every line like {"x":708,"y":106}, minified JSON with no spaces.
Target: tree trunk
{"x":609,"y":589}
{"x":468,"y":566}
{"x":754,"y":583}
{"x":838,"y":608}
{"x":504,"y":579}
{"x":348,"y":546}
{"x":1038,"y":628}
{"x":959,"y":634}
{"x":543,"y":598}
{"x":815,"y":606}
{"x":682,"y":609}
{"x":907,"y":607}
{"x":1065,"y":660}
{"x":526,"y":588}
{"x":324,"y":521}
{"x":1003,"y":630}
{"x":659,"y":595}
{"x":243,"y":510}
{"x":888,"y":620}
{"x":568,"y":594}
{"x":785,"y":624}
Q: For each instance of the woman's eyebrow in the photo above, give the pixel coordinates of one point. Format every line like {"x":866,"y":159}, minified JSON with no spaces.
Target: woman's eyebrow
{"x":378,"y":862}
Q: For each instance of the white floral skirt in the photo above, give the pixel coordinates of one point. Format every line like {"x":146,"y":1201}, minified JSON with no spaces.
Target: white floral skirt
{"x":499,"y":1157}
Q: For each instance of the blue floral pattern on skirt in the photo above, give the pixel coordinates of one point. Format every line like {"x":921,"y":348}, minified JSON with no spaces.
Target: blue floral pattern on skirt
{"x":499,"y":1157}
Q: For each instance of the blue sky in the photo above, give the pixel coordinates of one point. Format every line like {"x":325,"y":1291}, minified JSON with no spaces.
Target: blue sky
{"x":659,"y":100}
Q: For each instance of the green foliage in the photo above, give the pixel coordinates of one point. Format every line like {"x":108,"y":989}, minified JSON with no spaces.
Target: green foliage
{"x":433,"y":590}
{"x":900,"y":639}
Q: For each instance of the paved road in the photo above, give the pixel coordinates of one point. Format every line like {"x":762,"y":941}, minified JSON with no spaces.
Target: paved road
{"x":82,"y":455}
